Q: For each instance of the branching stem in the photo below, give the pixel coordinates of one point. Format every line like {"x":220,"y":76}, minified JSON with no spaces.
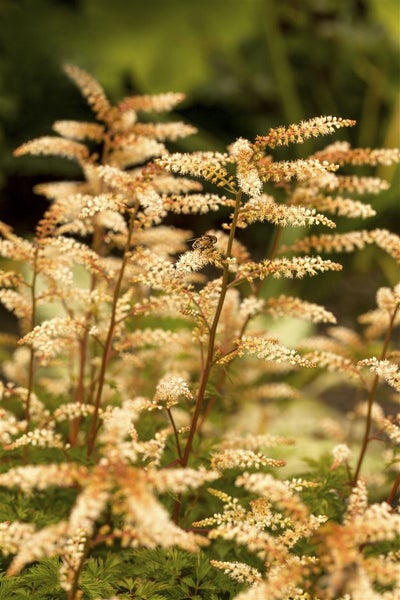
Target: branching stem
{"x":108,"y":343}
{"x":31,"y":368}
{"x":205,"y":374}
{"x":371,"y":399}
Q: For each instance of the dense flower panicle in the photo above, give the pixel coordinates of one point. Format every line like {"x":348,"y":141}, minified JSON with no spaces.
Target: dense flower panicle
{"x":41,"y":438}
{"x":9,"y":426}
{"x":20,"y":394}
{"x":238,"y":571}
{"x":357,"y":184}
{"x":164,"y":131}
{"x":152,"y":103}
{"x":343,"y":545}
{"x":89,"y":504}
{"x":300,"y":170}
{"x":170,"y":389}
{"x":187,"y":204}
{"x":147,"y":337}
{"x":294,"y":307}
{"x":134,"y":151}
{"x":324,"y":348}
{"x":243,"y":459}
{"x":276,"y":491}
{"x":332,"y":362}
{"x":388,"y":299}
{"x":377,"y":321}
{"x":15,"y":247}
{"x":342,"y":153}
{"x":253,"y":442}
{"x":14,"y":535}
{"x":246,"y":171}
{"x":270,"y":349}
{"x":46,"y":542}
{"x":164,"y":183}
{"x":155,"y":271}
{"x":164,"y":241}
{"x":10,"y":279}
{"x":73,"y":554}
{"x":52,"y":336}
{"x":79,"y":131}
{"x":299,"y":132}
{"x":39,"y":477}
{"x":54,"y":146}
{"x":391,"y":428}
{"x":264,"y":208}
{"x":92,"y":92}
{"x":347,"y":338}
{"x":340,"y":242}
{"x":91,"y":205}
{"x":197,"y":259}
{"x":121,"y":181}
{"x":208,"y":165}
{"x":72,"y":410}
{"x":388,"y":241}
{"x":16,"y":303}
{"x":178,"y":481}
{"x":387,"y":370}
{"x":147,"y":518}
{"x":343,"y":207}
{"x":341,"y":454}
{"x":276,"y":391}
{"x":251,"y":306}
{"x":286,"y":267}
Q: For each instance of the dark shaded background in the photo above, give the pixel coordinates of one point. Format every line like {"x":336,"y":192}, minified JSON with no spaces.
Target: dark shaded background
{"x":245,"y":65}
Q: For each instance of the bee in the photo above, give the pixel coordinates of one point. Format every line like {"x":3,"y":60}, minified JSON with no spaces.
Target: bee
{"x":205,"y":242}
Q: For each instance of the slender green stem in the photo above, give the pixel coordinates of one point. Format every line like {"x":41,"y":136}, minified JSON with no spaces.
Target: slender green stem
{"x":371,"y":399}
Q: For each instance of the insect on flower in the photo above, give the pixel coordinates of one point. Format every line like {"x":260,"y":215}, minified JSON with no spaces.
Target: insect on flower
{"x":205,"y":242}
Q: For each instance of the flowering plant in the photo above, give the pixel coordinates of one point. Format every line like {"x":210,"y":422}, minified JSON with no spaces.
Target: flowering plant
{"x":141,"y":358}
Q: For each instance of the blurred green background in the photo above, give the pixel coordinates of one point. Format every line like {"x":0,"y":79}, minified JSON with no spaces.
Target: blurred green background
{"x":245,"y":65}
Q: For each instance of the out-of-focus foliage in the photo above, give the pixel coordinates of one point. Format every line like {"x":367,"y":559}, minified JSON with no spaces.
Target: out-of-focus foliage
{"x":257,"y":62}
{"x":245,"y":65}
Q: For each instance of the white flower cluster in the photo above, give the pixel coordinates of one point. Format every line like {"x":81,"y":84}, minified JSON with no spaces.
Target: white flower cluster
{"x":39,"y":477}
{"x":234,"y":458}
{"x":170,"y":389}
{"x":50,"y":338}
{"x":246,"y":172}
{"x":341,"y":454}
{"x":42,"y":438}
{"x":289,"y":306}
{"x":251,"y":306}
{"x":389,"y":371}
{"x":270,"y":349}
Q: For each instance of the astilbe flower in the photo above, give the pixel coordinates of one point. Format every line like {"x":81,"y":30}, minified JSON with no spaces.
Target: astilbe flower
{"x":113,"y":482}
{"x":264,"y":208}
{"x":270,"y":528}
{"x":341,"y":153}
{"x":103,"y":261}
{"x":299,"y":132}
{"x":349,"y":568}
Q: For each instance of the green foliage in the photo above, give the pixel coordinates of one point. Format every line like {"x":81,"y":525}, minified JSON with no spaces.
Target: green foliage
{"x":143,"y":574}
{"x":38,"y":582}
{"x":333,"y":487}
